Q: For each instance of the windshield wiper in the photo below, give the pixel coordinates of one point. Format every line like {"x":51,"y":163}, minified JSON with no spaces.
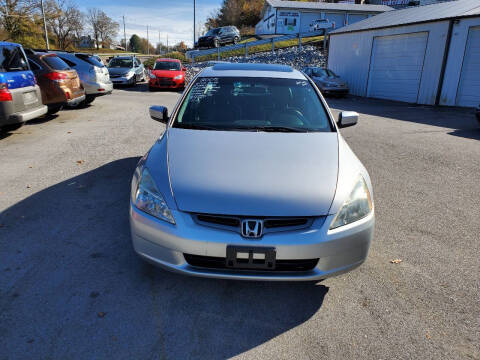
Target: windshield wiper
{"x":272,"y":129}
{"x":195,"y":127}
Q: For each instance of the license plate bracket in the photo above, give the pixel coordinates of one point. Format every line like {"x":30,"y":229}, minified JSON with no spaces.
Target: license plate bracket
{"x":248,"y":257}
{"x":29,"y":97}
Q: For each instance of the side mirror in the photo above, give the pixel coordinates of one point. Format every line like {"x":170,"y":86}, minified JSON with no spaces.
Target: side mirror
{"x":159,"y":113}
{"x":347,"y":118}
{"x":184,"y":68}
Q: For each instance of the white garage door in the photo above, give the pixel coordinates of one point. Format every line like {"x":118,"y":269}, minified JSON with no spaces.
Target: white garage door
{"x":396,"y":66}
{"x":468,"y":93}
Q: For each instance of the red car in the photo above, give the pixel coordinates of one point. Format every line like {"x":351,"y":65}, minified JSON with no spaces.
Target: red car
{"x":167,"y":73}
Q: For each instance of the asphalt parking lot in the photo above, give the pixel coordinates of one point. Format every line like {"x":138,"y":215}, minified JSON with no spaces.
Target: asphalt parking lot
{"x":71,"y":286}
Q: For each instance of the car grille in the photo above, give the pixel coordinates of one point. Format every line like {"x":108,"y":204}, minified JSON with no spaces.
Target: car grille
{"x":211,"y":262}
{"x":165,"y":81}
{"x":273,"y":224}
{"x":115,"y":76}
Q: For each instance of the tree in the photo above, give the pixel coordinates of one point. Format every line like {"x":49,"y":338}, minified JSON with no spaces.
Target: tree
{"x":18,"y":19}
{"x":64,"y":20}
{"x":107,"y":29}
{"x":93,"y":16}
{"x":241,"y":13}
{"x":135,"y":43}
{"x":103,"y":28}
{"x":180,"y":47}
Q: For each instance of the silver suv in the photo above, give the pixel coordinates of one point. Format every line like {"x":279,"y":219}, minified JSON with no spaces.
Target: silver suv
{"x":93,"y":74}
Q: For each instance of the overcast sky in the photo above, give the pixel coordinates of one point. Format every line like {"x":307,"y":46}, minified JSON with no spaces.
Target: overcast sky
{"x":174,"y":17}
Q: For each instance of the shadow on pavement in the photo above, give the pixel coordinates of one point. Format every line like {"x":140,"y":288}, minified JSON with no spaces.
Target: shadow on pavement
{"x":461,"y":120}
{"x":71,"y":285}
{"x":140,"y":87}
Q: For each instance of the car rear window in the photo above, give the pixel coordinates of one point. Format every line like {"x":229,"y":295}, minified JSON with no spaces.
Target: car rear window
{"x":90,"y":59}
{"x":56,"y":63}
{"x":12,"y":58}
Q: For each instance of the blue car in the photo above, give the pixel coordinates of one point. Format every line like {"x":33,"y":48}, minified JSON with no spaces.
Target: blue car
{"x":20,"y":97}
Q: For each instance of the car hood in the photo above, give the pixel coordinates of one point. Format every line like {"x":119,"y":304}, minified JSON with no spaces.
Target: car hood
{"x":119,"y":71}
{"x":167,"y":73}
{"x":253,"y":173}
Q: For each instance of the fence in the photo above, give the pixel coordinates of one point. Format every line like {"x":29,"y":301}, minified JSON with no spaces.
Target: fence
{"x":192,"y":54}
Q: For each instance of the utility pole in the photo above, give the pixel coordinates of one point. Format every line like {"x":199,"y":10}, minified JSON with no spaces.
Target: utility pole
{"x":159,"y":43}
{"x":148,"y":43}
{"x":44,"y":25}
{"x":194,"y":4}
{"x":124,"y":33}
{"x":167,"y":42}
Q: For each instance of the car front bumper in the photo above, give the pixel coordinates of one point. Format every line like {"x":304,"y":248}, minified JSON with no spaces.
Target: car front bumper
{"x":122,"y":80}
{"x":334,"y":90}
{"x":166,"y":84}
{"x":164,"y":244}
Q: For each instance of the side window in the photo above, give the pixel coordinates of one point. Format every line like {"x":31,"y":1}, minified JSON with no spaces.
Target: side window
{"x":70,"y":63}
{"x":33,"y":66}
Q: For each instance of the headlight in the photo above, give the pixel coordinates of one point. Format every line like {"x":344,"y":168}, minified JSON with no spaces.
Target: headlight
{"x":149,"y":199}
{"x":357,"y":206}
{"x":129,"y":74}
{"x":178,"y":77}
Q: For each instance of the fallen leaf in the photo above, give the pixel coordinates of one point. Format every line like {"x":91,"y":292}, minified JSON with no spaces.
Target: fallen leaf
{"x":396,"y":261}
{"x":427,"y":335}
{"x":28,"y":186}
{"x":69,"y":132}
{"x":101,"y":314}
{"x":80,"y":162}
{"x":30,"y":167}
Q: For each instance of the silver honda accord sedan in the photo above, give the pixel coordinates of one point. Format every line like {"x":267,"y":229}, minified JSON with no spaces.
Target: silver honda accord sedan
{"x":252,"y":180}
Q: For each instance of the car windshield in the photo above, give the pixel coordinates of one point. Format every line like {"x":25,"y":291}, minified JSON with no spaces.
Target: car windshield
{"x":12,"y":58}
{"x":323,"y":73}
{"x":212,"y":32}
{"x":120,"y":63}
{"x":253,"y":104}
{"x":167,"y":65}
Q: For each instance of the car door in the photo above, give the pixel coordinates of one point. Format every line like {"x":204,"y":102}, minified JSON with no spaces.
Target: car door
{"x":138,"y":69}
{"x":223,"y":35}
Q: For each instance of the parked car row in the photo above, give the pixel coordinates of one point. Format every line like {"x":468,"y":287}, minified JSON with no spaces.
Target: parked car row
{"x":36,"y":82}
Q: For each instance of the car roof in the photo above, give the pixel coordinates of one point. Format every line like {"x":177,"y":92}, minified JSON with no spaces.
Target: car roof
{"x":168,"y":59}
{"x":9,"y":43}
{"x":252,"y":70}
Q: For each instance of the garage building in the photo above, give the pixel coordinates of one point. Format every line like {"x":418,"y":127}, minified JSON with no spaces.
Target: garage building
{"x":426,"y":55}
{"x":293,"y":17}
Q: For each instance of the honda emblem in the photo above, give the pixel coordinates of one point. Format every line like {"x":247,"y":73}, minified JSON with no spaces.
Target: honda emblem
{"x":252,"y":228}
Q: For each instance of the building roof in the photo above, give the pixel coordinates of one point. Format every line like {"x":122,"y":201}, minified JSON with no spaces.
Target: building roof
{"x":413,"y":15}
{"x":303,"y":5}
